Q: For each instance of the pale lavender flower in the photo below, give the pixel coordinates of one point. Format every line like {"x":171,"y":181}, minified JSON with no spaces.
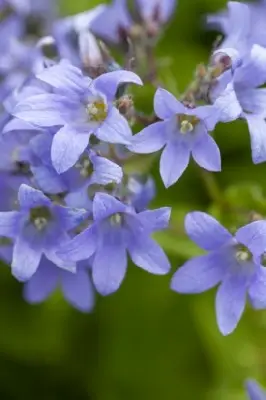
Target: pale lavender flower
{"x":244,"y":98}
{"x":38,"y":228}
{"x":76,"y":287}
{"x":115,"y":23}
{"x":255,"y":391}
{"x":233,"y":261}
{"x":80,"y":107}
{"x":182,"y":132}
{"x":118,"y":229}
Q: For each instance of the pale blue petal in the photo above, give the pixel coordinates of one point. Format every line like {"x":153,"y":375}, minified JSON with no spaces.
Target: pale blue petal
{"x":230,"y":302}
{"x":253,"y":236}
{"x":110,"y":261}
{"x":48,"y":180}
{"x":29,"y":197}
{"x":155,"y":220}
{"x":81,"y":247}
{"x":9,"y":223}
{"x":150,"y":139}
{"x":257,"y":289}
{"x":27,"y":254}
{"x":42,"y":283}
{"x":164,"y":9}
{"x":174,"y":160}
{"x":105,"y":205}
{"x":115,"y":129}
{"x":67,"y":147}
{"x":199,"y":274}
{"x":46,"y":110}
{"x":257,"y":130}
{"x":148,"y":255}
{"x":69,"y":218}
{"x":105,"y":171}
{"x":109,"y":82}
{"x":166,"y":105}
{"x":253,"y":101}
{"x":64,"y":77}
{"x":253,"y":72}
{"x":255,"y":391}
{"x":227,"y":105}
{"x":206,"y":231}
{"x":206,"y":153}
{"x":78,"y":290}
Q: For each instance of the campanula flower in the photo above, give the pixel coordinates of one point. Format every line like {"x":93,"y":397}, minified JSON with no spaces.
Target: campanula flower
{"x":246,"y":99}
{"x":233,"y":261}
{"x":80,"y":106}
{"x":116,"y":229}
{"x":182,"y":132}
{"x":38,"y":228}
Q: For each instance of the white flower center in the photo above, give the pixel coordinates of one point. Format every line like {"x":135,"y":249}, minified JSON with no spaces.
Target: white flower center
{"x":186,"y":127}
{"x":97,"y":110}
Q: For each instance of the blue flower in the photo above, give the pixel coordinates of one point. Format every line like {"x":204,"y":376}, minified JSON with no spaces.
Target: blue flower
{"x":117,"y":228}
{"x":90,"y":169}
{"x":76,"y":287}
{"x":81,"y":107}
{"x":115,"y":23}
{"x":243,"y":25}
{"x":38,"y":228}
{"x":234,"y":261}
{"x":182,"y":132}
{"x":254,"y":390}
{"x":245,"y":99}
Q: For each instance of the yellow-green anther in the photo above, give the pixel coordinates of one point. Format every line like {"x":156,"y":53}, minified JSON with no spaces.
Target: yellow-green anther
{"x":186,"y":127}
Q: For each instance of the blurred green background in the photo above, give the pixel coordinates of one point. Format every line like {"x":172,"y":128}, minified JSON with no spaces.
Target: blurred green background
{"x":146,"y":342}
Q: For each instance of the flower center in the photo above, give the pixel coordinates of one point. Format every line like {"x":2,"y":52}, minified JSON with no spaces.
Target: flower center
{"x":40,"y":216}
{"x":85,"y":167}
{"x":116,"y":219}
{"x":187,"y":123}
{"x":242,"y":253}
{"x":97,"y":111}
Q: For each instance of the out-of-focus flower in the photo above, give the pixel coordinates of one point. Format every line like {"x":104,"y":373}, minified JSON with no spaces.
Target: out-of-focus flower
{"x":255,"y":391}
{"x":233,"y":261}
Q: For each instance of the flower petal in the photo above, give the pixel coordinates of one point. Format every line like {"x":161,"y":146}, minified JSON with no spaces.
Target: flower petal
{"x":64,"y":77}
{"x":105,"y":205}
{"x":257,"y":130}
{"x":81,"y":247}
{"x":67,"y":147}
{"x":155,"y":220}
{"x":150,"y":139}
{"x":148,"y":255}
{"x":29,"y":197}
{"x":9,"y":223}
{"x":206,"y":231}
{"x":78,"y":290}
{"x":255,"y":391}
{"x":166,"y":105}
{"x":230,"y":302}
{"x":199,"y":274}
{"x":27,"y":254}
{"x":253,"y":236}
{"x":110,"y":261}
{"x":109,"y":82}
{"x":174,"y":160}
{"x":206,"y":153}
{"x":115,"y":129}
{"x":105,"y":171}
{"x":45,"y":110}
{"x":253,"y":72}
{"x":228,"y":105}
{"x":42,"y":283}
{"x":257,"y":289}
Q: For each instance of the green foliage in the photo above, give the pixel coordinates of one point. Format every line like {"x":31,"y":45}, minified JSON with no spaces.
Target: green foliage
{"x":146,"y":342}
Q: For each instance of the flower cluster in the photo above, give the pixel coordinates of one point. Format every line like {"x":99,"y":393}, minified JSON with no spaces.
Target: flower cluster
{"x":71,"y":210}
